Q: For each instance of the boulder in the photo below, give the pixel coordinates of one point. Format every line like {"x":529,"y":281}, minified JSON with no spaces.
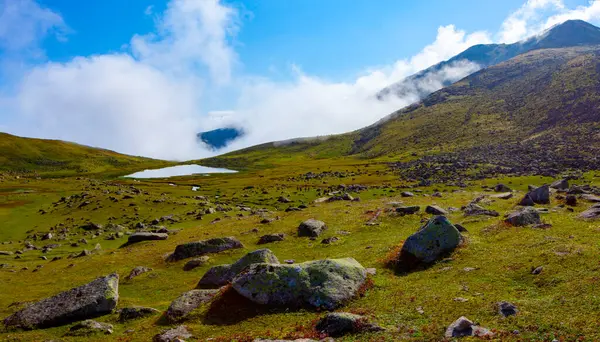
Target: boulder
{"x":435,"y":210}
{"x":90,"y":327}
{"x":135,"y":312}
{"x":523,"y":217}
{"x":195,"y":263}
{"x":592,"y":213}
{"x":433,"y":240}
{"x":271,"y":238}
{"x":527,"y":201}
{"x":199,"y":248}
{"x":507,"y":309}
{"x":188,"y":302}
{"x":92,"y":300}
{"x":502,"y":188}
{"x":311,"y":228}
{"x":173,"y":335}
{"x":464,"y":327}
{"x":145,"y":236}
{"x":324,"y":284}
{"x":337,"y":324}
{"x":561,"y":184}
{"x":409,"y":210}
{"x":223,"y":274}
{"x":539,"y":195}
{"x":591,"y":198}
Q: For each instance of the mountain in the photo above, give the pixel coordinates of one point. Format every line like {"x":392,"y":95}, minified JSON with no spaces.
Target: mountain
{"x":568,"y":34}
{"x":220,"y":137}
{"x":538,"y":110}
{"x":61,"y":158}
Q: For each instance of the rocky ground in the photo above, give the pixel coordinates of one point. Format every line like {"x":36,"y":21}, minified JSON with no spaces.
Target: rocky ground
{"x":351,"y":252}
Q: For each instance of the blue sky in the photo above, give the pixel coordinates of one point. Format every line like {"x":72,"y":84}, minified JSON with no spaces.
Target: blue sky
{"x":144,"y":76}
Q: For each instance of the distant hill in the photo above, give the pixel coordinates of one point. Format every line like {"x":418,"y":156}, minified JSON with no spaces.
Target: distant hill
{"x":29,"y":155}
{"x":541,"y":108}
{"x":568,"y":34}
{"x":220,"y":137}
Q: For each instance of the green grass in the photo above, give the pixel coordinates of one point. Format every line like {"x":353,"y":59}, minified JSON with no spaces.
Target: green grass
{"x":562,"y":302}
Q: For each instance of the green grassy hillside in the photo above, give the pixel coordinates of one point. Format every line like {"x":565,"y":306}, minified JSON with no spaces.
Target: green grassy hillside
{"x":27,"y":155}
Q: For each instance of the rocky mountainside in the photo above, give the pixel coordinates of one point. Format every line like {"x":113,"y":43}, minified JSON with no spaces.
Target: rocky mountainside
{"x":568,"y":34}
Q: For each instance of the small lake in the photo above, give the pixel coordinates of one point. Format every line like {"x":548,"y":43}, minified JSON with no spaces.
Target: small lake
{"x":180,"y":170}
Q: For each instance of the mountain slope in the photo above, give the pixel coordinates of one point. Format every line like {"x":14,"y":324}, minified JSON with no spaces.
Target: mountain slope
{"x":568,"y":34}
{"x":544,"y":100}
{"x":60,"y":157}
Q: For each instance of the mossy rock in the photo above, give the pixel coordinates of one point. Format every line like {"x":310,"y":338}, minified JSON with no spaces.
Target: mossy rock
{"x":222,"y":274}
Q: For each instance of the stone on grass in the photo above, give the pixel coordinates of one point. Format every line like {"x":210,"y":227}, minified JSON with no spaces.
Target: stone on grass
{"x":323,"y":284}
{"x":138,"y":270}
{"x":407,"y":194}
{"x":311,"y":228}
{"x":463,"y":327}
{"x":561,"y":184}
{"x":435,"y":210}
{"x":433,"y":240}
{"x":271,"y":238}
{"x":473,"y":209}
{"x":539,"y":195}
{"x":195,"y":263}
{"x":145,"y":236}
{"x":408,"y":210}
{"x":592,"y":213}
{"x":92,"y":300}
{"x":90,"y":327}
{"x":501,"y":188}
{"x":590,"y":198}
{"x":571,"y":200}
{"x":221,"y":275}
{"x":188,"y":302}
{"x":200,"y":248}
{"x":135,"y":312}
{"x":172,"y":335}
{"x":507,"y":309}
{"x":338,"y":324}
{"x":523,"y":217}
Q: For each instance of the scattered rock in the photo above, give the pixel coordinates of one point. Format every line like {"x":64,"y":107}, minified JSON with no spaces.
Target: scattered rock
{"x":539,"y":195}
{"x":502,"y":188}
{"x":434,"y":239}
{"x":504,"y":196}
{"x":338,"y":324}
{"x":199,"y":248}
{"x":592,"y":213}
{"x":322,"y":283}
{"x":562,"y":184}
{"x":507,"y":309}
{"x":221,"y":275}
{"x":188,"y":302}
{"x":145,"y":236}
{"x":330,"y":240}
{"x":407,"y":194}
{"x":523,"y":217}
{"x":473,"y":209}
{"x":537,"y":270}
{"x":464,"y":327}
{"x":94,"y":299}
{"x":135,"y":312}
{"x":311,"y":228}
{"x":196,"y":262}
{"x":435,"y":210}
{"x":271,"y":238}
{"x":409,"y":210}
{"x":591,"y":198}
{"x":138,"y":271}
{"x":90,"y":327}
{"x":173,"y":335}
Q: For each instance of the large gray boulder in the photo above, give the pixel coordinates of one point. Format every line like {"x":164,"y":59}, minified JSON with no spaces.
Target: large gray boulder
{"x":199,"y":248}
{"x":434,"y":239}
{"x":324,"y":284}
{"x":188,"y":302}
{"x":221,"y":275}
{"x":144,"y":236}
{"x":523,"y":217}
{"x":92,"y":300}
{"x":311,"y":228}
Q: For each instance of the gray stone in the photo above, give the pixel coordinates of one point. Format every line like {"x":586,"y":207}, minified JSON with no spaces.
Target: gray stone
{"x":507,"y":309}
{"x":90,"y":327}
{"x":338,"y":324}
{"x":407,"y":194}
{"x":92,"y":300}
{"x":523,"y":217}
{"x":311,"y":228}
{"x":324,"y":284}
{"x":433,"y":240}
{"x":145,"y":236}
{"x":435,"y":210}
{"x":199,"y":248}
{"x":590,"y":198}
{"x":221,"y":275}
{"x":501,"y":188}
{"x":135,"y":312}
{"x":592,"y":213}
{"x":195,"y":263}
{"x":188,"y":302}
{"x":408,"y":210}
{"x":138,"y":271}
{"x":539,"y":195}
{"x":473,"y":209}
{"x":561,"y":184}
{"x":463,"y":327}
{"x":271,"y":238}
{"x":172,"y":335}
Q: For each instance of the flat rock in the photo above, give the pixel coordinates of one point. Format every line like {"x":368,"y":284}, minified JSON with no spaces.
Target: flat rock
{"x":523,"y":217}
{"x":408,"y":210}
{"x":188,"y":302}
{"x":199,"y":248}
{"x":173,"y":335}
{"x":135,"y":312}
{"x":592,"y":213}
{"x":195,"y":263}
{"x":590,"y":198}
{"x":271,"y":238}
{"x":92,"y":300}
{"x":324,"y":284}
{"x":473,"y":209}
{"x":145,"y":236}
{"x":561,"y":184}
{"x":434,"y":239}
{"x":223,"y":274}
{"x":136,"y":271}
{"x":501,"y":188}
{"x":463,"y":327}
{"x":435,"y":210}
{"x":311,"y":228}
{"x":337,"y":324}
{"x":504,"y":195}
{"x":90,"y":327}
